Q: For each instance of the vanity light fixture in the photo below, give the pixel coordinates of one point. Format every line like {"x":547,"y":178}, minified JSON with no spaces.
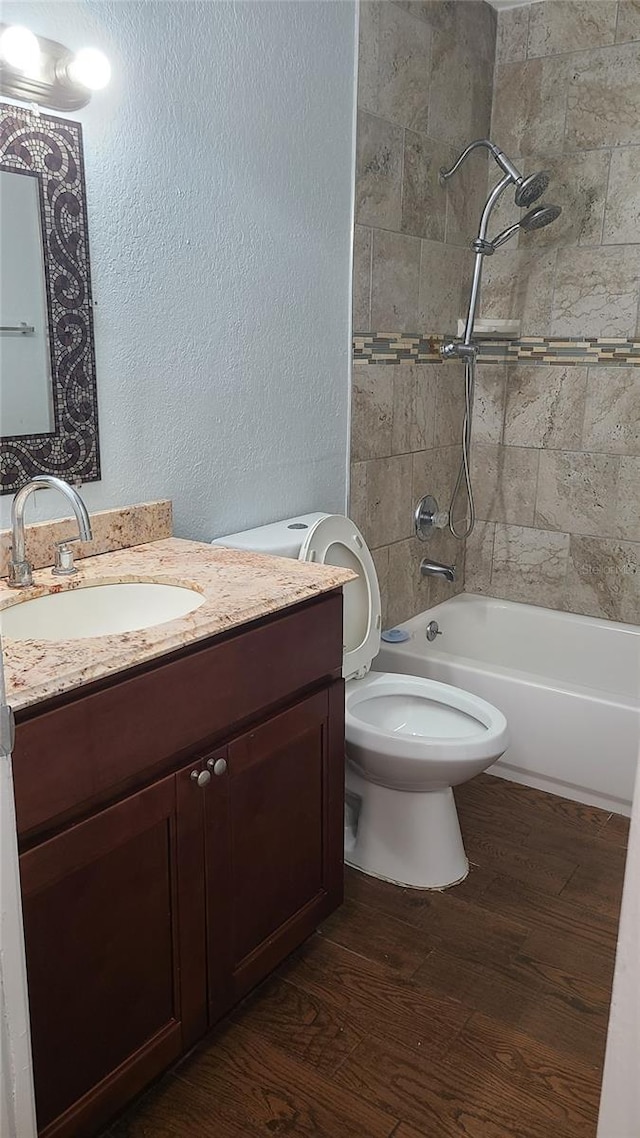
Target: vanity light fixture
{"x":20,"y":49}
{"x":89,"y":68}
{"x":38,"y":70}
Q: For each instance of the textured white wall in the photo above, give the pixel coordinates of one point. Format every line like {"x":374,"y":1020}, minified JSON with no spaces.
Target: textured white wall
{"x":219,"y":180}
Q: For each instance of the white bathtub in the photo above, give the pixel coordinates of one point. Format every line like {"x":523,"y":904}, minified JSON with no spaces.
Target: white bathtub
{"x":568,"y":685}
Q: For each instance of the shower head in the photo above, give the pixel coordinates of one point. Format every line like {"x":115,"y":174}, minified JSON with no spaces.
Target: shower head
{"x":539,"y":217}
{"x":535,"y":219}
{"x":530,"y":189}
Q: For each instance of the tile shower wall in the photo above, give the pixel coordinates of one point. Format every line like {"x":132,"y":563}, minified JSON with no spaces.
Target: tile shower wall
{"x":424,"y":89}
{"x":557,"y":455}
{"x":405,"y":423}
{"x":556,"y":468}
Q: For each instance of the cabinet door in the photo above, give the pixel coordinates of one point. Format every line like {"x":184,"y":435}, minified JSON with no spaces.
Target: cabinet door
{"x":274,"y":841}
{"x":110,"y":1005}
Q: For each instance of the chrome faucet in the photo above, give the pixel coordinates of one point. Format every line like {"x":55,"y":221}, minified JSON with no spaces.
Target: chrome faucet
{"x":436,"y":569}
{"x":20,"y":570}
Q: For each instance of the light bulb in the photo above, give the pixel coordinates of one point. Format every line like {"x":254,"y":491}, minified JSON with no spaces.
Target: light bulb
{"x":90,"y":68}
{"x":20,"y":49}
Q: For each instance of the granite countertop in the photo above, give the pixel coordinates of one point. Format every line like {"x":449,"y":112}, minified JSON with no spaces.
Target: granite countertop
{"x":238,"y":587}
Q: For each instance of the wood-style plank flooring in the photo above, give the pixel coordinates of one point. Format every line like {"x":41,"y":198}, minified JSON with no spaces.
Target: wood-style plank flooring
{"x":480,"y":1011}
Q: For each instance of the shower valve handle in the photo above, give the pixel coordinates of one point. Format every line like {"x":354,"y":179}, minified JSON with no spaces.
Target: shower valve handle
{"x":429,"y":517}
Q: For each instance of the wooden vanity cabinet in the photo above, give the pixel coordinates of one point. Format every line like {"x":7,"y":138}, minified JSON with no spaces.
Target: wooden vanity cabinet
{"x":273,"y":842}
{"x":149,"y":914}
{"x":105,"y":934}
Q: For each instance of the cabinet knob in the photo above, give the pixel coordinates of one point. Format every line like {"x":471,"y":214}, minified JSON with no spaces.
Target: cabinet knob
{"x":218,"y":766}
{"x":201,"y":778}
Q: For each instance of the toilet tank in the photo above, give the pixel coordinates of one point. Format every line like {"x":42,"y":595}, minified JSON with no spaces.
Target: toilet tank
{"x":281,"y":539}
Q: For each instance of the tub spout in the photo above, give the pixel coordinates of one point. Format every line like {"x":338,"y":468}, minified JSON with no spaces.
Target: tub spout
{"x":436,"y":569}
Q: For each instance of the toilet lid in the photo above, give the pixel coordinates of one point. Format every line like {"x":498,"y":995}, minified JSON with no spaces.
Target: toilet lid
{"x":335,"y":540}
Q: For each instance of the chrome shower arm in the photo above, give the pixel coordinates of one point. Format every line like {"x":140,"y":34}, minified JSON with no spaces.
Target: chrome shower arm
{"x":446,"y":174}
{"x":473,"y":299}
{"x":496,"y":192}
{"x":477,"y":268}
{"x":500,"y":157}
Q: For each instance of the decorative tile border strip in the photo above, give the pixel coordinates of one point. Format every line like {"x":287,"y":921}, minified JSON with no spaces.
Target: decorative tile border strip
{"x":395,"y":348}
{"x":570,"y":350}
{"x":404,"y":347}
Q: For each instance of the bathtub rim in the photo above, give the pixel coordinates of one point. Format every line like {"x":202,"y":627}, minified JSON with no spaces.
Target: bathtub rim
{"x":476,"y":664}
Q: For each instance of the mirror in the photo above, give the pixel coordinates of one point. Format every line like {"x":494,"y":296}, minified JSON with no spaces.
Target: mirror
{"x":48,"y":398}
{"x":26,"y":404}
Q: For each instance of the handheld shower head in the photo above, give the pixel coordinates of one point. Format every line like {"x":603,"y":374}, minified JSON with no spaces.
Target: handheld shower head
{"x":530,"y":189}
{"x":539,"y":217}
{"x":535,"y":219}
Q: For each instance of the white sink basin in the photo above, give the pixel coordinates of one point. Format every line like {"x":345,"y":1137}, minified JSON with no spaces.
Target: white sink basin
{"x":98,"y":610}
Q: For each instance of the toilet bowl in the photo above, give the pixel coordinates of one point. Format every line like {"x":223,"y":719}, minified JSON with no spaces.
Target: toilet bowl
{"x":409,"y":740}
{"x":407,"y":732}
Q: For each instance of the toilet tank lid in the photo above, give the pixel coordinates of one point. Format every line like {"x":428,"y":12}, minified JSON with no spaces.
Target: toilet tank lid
{"x":281,"y":539}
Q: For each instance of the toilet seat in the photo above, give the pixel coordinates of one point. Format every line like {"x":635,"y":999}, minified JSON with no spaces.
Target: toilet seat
{"x":397,"y":724}
{"x":335,"y":540}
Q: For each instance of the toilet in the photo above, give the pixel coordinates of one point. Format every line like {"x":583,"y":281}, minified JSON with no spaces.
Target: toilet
{"x":409,"y":740}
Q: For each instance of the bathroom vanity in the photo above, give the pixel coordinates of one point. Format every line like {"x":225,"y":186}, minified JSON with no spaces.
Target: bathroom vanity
{"x":181,"y":831}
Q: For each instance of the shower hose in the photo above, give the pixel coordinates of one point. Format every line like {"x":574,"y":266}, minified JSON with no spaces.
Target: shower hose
{"x":464,"y":473}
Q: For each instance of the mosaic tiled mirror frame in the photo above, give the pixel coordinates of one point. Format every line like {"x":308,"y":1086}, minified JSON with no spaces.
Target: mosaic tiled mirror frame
{"x":50,"y":149}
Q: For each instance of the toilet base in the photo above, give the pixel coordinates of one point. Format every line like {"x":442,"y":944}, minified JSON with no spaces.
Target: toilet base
{"x":407,"y":838}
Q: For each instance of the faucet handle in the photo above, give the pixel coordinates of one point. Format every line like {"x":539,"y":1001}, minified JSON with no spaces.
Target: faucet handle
{"x":63,"y":565}
{"x":20,"y":573}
